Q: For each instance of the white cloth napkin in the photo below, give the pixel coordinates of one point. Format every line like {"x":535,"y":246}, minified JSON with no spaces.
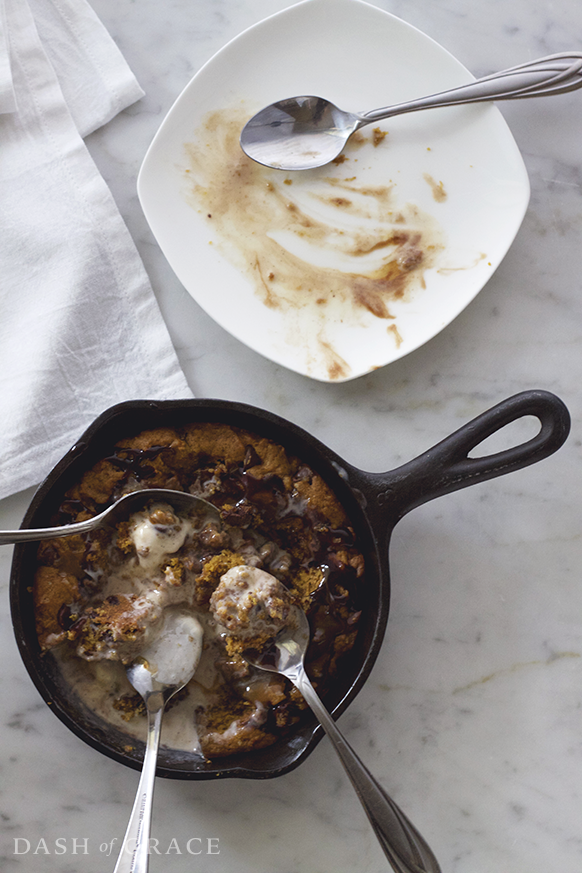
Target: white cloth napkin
{"x":80,"y":328}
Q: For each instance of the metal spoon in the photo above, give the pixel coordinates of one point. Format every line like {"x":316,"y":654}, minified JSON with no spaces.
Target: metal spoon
{"x":301,"y":133}
{"x":162,"y":669}
{"x":404,"y":847}
{"x":119,"y":511}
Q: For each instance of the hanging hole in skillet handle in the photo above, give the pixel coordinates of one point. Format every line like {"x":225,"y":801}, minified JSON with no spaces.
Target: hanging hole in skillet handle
{"x":513,"y":434}
{"x":456,"y":463}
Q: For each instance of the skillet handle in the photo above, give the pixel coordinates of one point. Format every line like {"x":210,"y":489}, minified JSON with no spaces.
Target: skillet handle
{"x":447,"y":466}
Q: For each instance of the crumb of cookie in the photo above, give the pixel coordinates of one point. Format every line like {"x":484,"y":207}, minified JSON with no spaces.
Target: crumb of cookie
{"x":163,"y":517}
{"x":212,"y":570}
{"x":305,"y":584}
{"x":113,"y":629}
{"x":243,"y":738}
{"x":129,"y":706}
{"x":342,"y":644}
{"x":174,"y":572}
{"x":321,"y":497}
{"x":297,"y":698}
{"x":98,"y":550}
{"x":97,"y":485}
{"x":235,"y":646}
{"x":124,"y":539}
{"x":378,"y":136}
{"x":57,"y":596}
{"x":64,"y":553}
{"x":232,"y":725}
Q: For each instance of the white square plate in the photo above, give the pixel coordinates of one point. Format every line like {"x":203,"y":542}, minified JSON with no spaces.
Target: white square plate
{"x":361,"y":58}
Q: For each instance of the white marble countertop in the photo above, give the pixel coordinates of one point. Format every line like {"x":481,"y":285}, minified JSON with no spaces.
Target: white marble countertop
{"x":472,"y":717}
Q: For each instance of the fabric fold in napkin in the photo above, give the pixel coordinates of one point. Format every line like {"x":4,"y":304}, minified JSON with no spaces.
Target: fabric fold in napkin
{"x":7,"y":98}
{"x":80,"y":329}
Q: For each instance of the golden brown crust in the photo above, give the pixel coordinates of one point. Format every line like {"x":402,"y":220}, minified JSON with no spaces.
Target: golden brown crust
{"x":97,"y":485}
{"x":322,"y":498}
{"x":53,"y":591}
{"x":149,"y":439}
{"x":216,"y":441}
{"x":274,"y":461}
{"x":212,"y":570}
{"x":65,"y":553}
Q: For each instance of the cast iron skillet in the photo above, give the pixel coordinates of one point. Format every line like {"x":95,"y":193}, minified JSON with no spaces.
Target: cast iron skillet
{"x":375,"y":502}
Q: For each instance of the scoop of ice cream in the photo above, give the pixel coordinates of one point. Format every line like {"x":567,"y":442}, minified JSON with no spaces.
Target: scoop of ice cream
{"x":250,"y":603}
{"x":157,"y":532}
{"x":173,"y":656}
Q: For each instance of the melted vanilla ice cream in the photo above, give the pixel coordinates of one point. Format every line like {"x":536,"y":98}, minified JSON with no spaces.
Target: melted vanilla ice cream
{"x":137,"y":591}
{"x":157,"y":532}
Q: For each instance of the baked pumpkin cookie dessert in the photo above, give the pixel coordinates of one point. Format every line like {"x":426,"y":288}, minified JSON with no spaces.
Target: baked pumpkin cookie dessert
{"x":276,"y":536}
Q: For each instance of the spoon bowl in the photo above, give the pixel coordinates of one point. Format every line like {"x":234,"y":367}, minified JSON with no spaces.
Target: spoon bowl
{"x":298,"y":133}
{"x":404,"y":847}
{"x":301,"y":133}
{"x":110,"y":517}
{"x":162,"y":669}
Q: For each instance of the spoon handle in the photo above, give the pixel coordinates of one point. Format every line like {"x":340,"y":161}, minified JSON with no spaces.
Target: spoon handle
{"x":553,"y":74}
{"x":404,"y":847}
{"x":30,"y":535}
{"x":134,"y":857}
